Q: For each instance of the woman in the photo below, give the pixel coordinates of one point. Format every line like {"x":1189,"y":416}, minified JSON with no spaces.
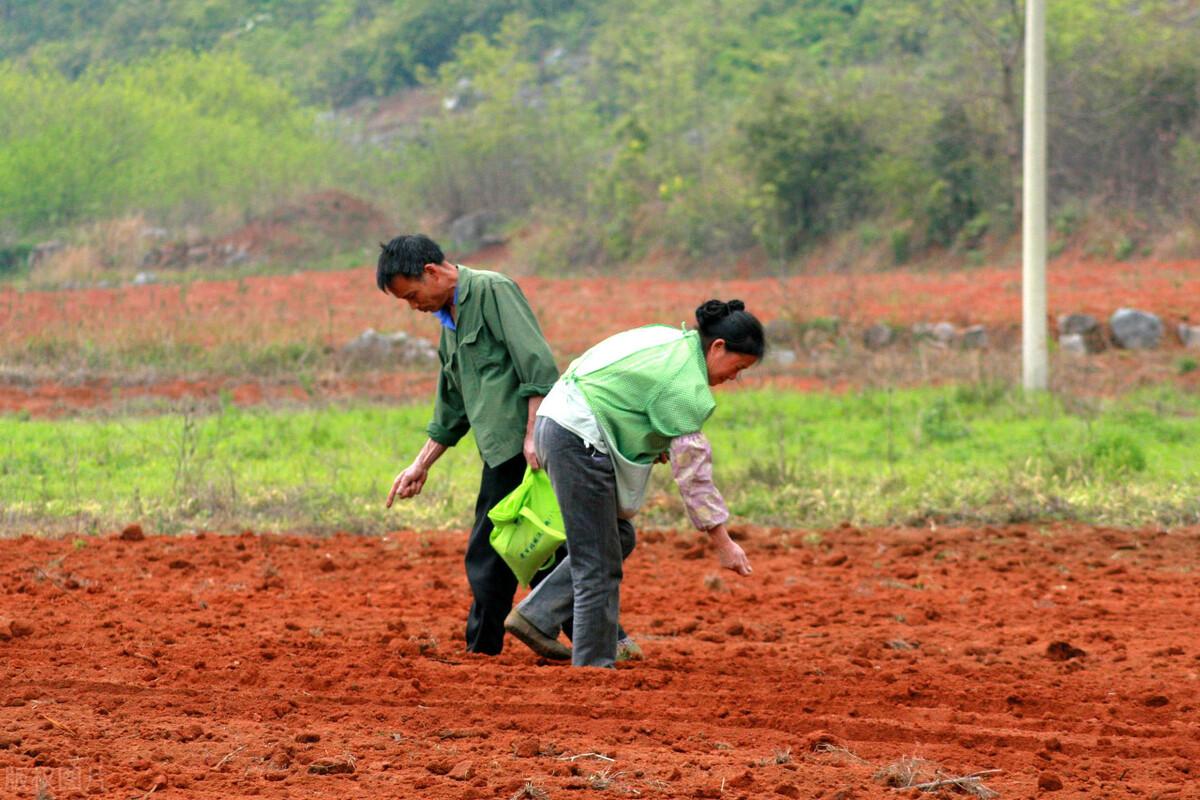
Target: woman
{"x":620,"y":407}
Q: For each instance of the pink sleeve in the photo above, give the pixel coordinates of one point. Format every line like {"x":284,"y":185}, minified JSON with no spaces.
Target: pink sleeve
{"x":691,"y":464}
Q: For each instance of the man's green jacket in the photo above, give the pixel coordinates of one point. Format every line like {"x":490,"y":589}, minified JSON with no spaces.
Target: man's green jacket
{"x":491,"y":365}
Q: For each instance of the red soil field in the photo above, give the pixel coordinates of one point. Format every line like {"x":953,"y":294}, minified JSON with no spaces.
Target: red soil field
{"x":331,"y":308}
{"x":271,"y":666}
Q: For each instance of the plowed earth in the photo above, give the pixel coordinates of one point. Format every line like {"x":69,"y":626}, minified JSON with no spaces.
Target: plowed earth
{"x":288,"y":667}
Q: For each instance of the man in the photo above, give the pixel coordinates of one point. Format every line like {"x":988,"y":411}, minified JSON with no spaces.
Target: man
{"x":495,"y":369}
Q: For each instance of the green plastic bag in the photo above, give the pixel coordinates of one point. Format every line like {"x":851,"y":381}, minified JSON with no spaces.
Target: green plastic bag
{"x":528,"y":526}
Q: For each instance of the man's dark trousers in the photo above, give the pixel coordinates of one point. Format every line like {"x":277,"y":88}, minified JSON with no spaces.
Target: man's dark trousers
{"x":493,"y":584}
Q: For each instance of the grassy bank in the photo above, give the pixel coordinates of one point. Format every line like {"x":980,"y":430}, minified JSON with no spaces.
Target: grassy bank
{"x":970,"y":454}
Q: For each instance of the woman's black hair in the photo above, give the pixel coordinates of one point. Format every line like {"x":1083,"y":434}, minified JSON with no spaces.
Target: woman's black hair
{"x":406,"y":256}
{"x":740,"y":329}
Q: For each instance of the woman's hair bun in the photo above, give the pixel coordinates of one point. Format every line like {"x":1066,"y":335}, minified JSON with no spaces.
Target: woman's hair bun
{"x":715,"y":310}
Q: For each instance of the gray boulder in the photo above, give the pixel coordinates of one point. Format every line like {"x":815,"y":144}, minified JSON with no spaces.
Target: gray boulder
{"x":1084,"y":326}
{"x":1189,"y":335}
{"x":944,"y":333}
{"x":1077,"y":323}
{"x":1073,"y":343}
{"x":1135,"y":330}
{"x":879,"y":336}
{"x":975,"y":337}
{"x":372,"y":347}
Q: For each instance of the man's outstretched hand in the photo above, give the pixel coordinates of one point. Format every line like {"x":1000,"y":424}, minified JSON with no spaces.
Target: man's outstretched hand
{"x":407,"y":484}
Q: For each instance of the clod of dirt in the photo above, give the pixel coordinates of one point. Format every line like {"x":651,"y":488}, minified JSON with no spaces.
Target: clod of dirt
{"x":819,"y":740}
{"x":527,"y":747}
{"x":327,"y":564}
{"x":787,"y":790}
{"x":12,"y":629}
{"x":190,"y":733}
{"x":1156,"y":701}
{"x":736,"y":629}
{"x":439,"y":767}
{"x":180,"y":563}
{"x":1049,"y":782}
{"x":308,"y":737}
{"x":7,"y":742}
{"x":150,"y":782}
{"x":743,"y":781}
{"x":132,"y":533}
{"x":462,"y":771}
{"x":1063,"y":651}
{"x":331,"y":766}
{"x":837,"y":560}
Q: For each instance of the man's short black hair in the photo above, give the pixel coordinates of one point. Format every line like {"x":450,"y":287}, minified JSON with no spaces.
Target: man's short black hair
{"x":407,"y":256}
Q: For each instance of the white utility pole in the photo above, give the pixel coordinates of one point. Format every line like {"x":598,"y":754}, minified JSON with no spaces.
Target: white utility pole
{"x":1033,"y":234}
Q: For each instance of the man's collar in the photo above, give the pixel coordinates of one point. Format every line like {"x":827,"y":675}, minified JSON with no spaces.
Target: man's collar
{"x":463,"y":288}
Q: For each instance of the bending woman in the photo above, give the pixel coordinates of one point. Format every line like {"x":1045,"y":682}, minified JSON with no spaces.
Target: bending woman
{"x":619,"y":408}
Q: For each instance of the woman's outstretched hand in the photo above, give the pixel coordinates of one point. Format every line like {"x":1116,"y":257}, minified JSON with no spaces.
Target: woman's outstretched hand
{"x":729,"y":553}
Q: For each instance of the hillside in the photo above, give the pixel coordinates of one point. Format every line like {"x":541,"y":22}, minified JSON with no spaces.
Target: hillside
{"x":603,"y":133}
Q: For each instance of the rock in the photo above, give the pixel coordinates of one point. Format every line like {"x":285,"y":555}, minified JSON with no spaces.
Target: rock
{"x":1086,"y":332}
{"x":462,"y":771}
{"x":1082,"y":324}
{"x":941,"y":334}
{"x":1189,"y":335}
{"x":975,"y":337}
{"x":1049,"y":782}
{"x":145,"y":278}
{"x":132,"y":533}
{"x":879,"y":336}
{"x":1135,"y":330}
{"x":1073,"y":343}
{"x":944,"y":333}
{"x":373,"y":347}
{"x":477,"y":229}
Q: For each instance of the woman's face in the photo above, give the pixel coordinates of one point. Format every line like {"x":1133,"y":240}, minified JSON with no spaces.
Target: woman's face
{"x":725,"y":365}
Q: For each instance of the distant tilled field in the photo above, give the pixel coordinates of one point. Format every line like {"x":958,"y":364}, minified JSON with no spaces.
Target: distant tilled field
{"x":266,"y":338}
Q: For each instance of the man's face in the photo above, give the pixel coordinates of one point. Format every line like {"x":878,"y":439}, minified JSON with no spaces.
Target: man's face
{"x":429,"y":293}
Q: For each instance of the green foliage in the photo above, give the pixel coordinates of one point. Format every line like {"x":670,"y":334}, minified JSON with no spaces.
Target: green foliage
{"x":706,"y":126}
{"x":810,"y":159}
{"x":179,"y":133}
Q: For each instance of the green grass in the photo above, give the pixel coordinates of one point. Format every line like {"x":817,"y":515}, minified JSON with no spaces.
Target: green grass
{"x":968,"y":454}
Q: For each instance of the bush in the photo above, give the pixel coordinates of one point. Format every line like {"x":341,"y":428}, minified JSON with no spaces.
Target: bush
{"x":811,"y":158}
